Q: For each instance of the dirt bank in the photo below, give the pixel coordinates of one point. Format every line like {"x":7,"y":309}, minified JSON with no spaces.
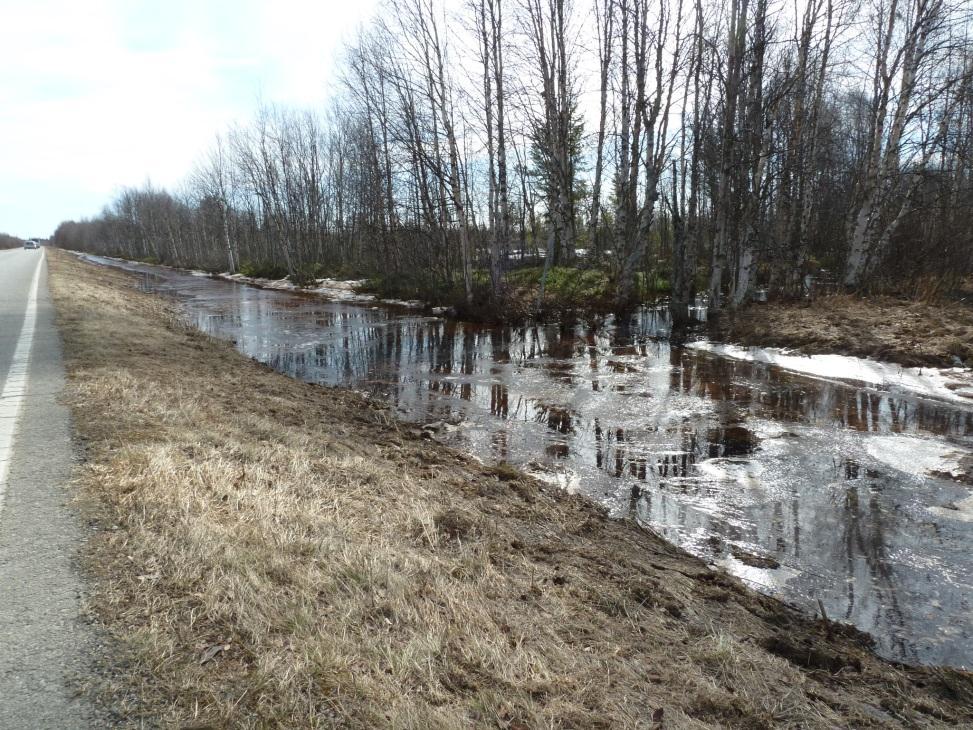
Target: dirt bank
{"x":909,"y":333}
{"x":279,"y":554}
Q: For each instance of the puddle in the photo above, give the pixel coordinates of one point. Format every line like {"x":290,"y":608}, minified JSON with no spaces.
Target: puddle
{"x":833,"y":479}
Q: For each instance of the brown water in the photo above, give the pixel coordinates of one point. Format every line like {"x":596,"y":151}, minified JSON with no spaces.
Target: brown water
{"x":808,"y":489}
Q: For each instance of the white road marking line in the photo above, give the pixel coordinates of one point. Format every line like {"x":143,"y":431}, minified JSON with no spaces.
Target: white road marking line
{"x":15,"y":388}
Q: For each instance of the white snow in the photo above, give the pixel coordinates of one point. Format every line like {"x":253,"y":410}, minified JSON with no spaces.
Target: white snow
{"x":339,"y":290}
{"x":555,"y":475}
{"x":963,"y":510}
{"x":952,"y":384}
{"x":745,"y":473}
{"x":912,"y":455}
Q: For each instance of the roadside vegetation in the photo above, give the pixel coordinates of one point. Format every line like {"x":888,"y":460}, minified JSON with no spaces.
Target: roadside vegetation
{"x":690,"y":149}
{"x":7,"y":241}
{"x":568,"y":291}
{"x":271,"y":553}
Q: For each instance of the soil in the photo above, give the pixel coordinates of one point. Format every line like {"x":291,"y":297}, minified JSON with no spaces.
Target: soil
{"x":278,"y":554}
{"x":914,"y":334}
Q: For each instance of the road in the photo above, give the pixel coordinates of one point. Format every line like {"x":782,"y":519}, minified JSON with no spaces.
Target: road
{"x":45,"y":643}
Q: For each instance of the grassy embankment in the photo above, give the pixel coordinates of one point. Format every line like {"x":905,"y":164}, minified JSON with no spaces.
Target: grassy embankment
{"x":569,"y":291}
{"x":914,"y":334}
{"x":273,"y":553}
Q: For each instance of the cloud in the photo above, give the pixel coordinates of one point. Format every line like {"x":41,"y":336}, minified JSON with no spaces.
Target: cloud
{"x":106,"y":93}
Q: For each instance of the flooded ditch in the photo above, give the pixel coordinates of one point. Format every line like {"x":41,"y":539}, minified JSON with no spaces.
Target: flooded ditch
{"x":811,"y":487}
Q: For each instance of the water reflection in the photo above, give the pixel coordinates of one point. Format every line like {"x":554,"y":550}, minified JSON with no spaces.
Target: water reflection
{"x":807,"y":489}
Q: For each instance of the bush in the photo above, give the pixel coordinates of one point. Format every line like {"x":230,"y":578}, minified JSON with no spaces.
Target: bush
{"x":262,"y":270}
{"x":566,"y":287}
{"x":307,"y":274}
{"x":410,"y":286}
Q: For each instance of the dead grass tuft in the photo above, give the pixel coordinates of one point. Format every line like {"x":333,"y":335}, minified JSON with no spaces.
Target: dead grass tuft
{"x":914,"y":334}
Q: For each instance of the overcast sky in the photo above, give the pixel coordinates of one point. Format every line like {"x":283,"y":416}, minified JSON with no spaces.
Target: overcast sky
{"x":100,"y":94}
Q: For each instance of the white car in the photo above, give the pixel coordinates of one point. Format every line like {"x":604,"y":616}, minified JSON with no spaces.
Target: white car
{"x":31,"y":244}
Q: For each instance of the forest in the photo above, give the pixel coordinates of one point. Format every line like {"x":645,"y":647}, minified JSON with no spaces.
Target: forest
{"x":490,"y":152}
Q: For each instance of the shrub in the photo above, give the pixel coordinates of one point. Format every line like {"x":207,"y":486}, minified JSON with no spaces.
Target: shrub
{"x":262,"y":270}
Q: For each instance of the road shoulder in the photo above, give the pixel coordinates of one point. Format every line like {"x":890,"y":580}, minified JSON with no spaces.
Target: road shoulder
{"x":47,"y":644}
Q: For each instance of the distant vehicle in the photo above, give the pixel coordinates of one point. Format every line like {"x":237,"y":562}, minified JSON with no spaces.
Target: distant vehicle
{"x":31,"y":244}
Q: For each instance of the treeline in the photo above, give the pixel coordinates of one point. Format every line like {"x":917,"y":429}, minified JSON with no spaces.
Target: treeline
{"x":7,"y":241}
{"x":685,"y":146}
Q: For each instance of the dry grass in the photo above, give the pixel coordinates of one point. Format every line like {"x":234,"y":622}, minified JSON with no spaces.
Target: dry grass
{"x":275,"y":554}
{"x":915,"y":334}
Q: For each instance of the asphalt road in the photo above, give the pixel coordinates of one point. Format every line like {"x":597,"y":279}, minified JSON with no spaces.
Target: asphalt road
{"x":45,"y":644}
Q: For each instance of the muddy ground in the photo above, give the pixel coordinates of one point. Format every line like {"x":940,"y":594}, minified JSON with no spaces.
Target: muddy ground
{"x":914,"y":334}
{"x":278,"y":554}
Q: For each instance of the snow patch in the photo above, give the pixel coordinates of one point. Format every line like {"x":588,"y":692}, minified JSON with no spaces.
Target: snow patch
{"x":916,"y":456}
{"x":951,"y":384}
{"x":557,"y":476}
{"x":962,"y":510}
{"x":339,"y":290}
{"x":743,"y":472}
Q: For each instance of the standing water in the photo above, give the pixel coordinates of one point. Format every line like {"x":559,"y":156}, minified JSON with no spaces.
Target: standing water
{"x":807,"y":486}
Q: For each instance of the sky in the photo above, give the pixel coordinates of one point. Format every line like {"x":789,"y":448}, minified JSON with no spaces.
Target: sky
{"x":96,"y":95}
